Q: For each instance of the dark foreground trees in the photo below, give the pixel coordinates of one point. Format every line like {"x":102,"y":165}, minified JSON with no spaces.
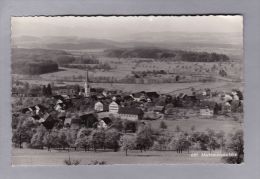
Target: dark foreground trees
{"x":235,"y":145}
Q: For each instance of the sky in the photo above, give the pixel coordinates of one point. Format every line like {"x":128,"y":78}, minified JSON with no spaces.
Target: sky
{"x":110,"y":26}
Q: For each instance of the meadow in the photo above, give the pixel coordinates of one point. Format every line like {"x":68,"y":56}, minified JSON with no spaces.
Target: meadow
{"x":55,"y":157}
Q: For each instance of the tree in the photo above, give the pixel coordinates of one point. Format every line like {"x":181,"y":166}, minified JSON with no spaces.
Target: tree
{"x":129,"y":125}
{"x":144,"y":138}
{"x":98,"y":139}
{"x":177,"y":78}
{"x":62,"y":137}
{"x":44,"y":90}
{"x":37,"y":138}
{"x":178,"y":129}
{"x":221,"y":139}
{"x":71,"y":138}
{"x":193,"y":128}
{"x":112,"y":139}
{"x":163,"y":125}
{"x":117,"y":124}
{"x":51,"y":139}
{"x":213,"y":143}
{"x":48,"y":90}
{"x":163,"y":140}
{"x":127,"y":142}
{"x":23,"y":133}
{"x":83,"y":139}
{"x":235,"y":144}
{"x":83,"y":142}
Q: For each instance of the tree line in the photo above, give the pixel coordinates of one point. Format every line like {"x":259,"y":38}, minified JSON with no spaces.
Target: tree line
{"x":126,"y":136}
{"x":34,"y":68}
{"x":157,"y":53}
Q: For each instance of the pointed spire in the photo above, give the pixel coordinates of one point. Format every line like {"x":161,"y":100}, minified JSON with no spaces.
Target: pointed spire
{"x":86,"y":86}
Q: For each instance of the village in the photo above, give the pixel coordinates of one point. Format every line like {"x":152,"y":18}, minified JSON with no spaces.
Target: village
{"x":64,"y":117}
{"x":106,"y":104}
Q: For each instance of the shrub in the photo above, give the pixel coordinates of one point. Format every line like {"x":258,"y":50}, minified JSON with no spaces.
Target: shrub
{"x":72,"y":162}
{"x":163,"y":125}
{"x":96,"y":162}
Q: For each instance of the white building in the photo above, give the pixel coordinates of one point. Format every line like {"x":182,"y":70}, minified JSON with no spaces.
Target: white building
{"x":113,"y":107}
{"x":206,"y":112}
{"x":99,"y":107}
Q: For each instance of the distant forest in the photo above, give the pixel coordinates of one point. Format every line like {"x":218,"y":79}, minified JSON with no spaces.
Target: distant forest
{"x":164,"y":53}
{"x":40,"y":61}
{"x":34,"y":68}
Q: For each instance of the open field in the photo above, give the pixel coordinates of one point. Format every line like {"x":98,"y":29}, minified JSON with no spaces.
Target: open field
{"x":200,"y":125}
{"x":160,"y":87}
{"x":43,"y":157}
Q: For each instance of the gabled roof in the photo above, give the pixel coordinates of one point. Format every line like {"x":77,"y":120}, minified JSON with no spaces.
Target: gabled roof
{"x":137,"y":95}
{"x":134,"y":111}
{"x":158,"y":108}
{"x":152,"y":94}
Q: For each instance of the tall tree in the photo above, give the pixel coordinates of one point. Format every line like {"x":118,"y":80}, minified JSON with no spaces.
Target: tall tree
{"x":37,"y":138}
{"x":112,"y":139}
{"x":98,"y":138}
{"x":49,"y":90}
{"x":144,"y":138}
{"x":127,"y":142}
{"x":235,"y":144}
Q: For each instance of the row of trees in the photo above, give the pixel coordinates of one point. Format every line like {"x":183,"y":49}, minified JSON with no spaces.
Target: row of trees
{"x":145,"y":138}
{"x":156,"y":53}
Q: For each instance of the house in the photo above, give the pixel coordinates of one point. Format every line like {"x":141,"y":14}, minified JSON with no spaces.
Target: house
{"x":138,"y":96}
{"x":132,"y":114}
{"x":206,"y":112}
{"x":159,"y":109}
{"x":67,"y":122}
{"x":99,"y":107}
{"x":152,"y":95}
{"x":113,"y":107}
{"x":102,"y":125}
{"x":152,"y":116}
{"x":128,"y":98}
{"x":75,"y":123}
{"x":60,"y":107}
{"x":48,"y":121}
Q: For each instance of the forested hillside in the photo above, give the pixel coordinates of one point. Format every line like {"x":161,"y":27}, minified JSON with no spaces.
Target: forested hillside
{"x":39,"y":61}
{"x":157,"y":53}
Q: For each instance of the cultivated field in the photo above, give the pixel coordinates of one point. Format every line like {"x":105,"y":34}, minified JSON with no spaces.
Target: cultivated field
{"x":200,"y":125}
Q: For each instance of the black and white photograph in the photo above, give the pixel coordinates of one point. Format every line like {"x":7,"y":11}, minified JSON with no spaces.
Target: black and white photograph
{"x":104,"y":90}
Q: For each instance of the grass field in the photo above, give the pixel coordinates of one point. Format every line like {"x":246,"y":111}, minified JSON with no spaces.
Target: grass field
{"x":44,"y":157}
{"x":201,"y":125}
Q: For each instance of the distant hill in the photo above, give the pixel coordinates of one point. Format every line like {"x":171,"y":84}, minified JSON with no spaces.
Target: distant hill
{"x":62,"y":43}
{"x":174,"y":55}
{"x":26,"y":55}
{"x":230,"y":44}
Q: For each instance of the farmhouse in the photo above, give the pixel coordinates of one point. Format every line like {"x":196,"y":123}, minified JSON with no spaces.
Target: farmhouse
{"x":113,"y":107}
{"x":159,"y":109}
{"x":99,"y":106}
{"x":138,"y":96}
{"x":132,"y":114}
{"x":152,"y":95}
{"x":101,"y":125}
{"x":206,"y":112}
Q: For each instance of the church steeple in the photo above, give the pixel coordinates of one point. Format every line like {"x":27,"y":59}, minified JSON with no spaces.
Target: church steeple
{"x":86,"y":86}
